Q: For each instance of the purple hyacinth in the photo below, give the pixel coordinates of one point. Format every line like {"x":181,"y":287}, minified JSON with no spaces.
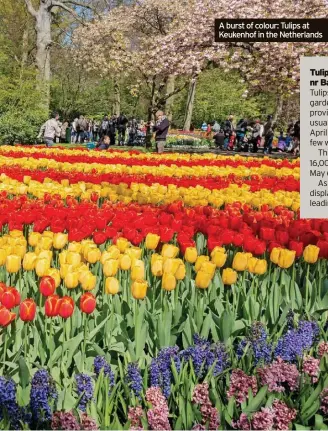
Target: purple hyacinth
{"x":43,"y":391}
{"x":294,"y":343}
{"x":160,"y":369}
{"x":8,"y":405}
{"x":257,"y":343}
{"x":203,"y":356}
{"x":84,"y":387}
{"x":99,"y":364}
{"x":134,"y":379}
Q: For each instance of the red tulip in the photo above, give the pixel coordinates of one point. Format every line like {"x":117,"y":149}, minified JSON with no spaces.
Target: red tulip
{"x":47,"y":285}
{"x":27,"y":310}
{"x":267,"y":234}
{"x":87,"y":303}
{"x":10,"y":298}
{"x":52,"y":305}
{"x":94,"y":197}
{"x":6,"y":317}
{"x":65,"y":307}
{"x":296,"y":246}
{"x":99,"y":237}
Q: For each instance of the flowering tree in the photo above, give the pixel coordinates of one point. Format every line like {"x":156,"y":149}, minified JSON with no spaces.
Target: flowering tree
{"x":152,"y":40}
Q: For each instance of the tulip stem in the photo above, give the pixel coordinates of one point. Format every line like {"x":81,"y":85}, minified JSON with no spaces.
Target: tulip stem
{"x":5,"y":334}
{"x":25,"y":341}
{"x":307,"y":286}
{"x":84,"y":340}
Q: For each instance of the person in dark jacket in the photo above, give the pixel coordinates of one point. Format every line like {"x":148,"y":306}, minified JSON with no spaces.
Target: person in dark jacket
{"x":104,"y":127}
{"x":161,"y":130}
{"x":112,"y":124}
{"x":228,"y":130}
{"x":122,"y":122}
{"x":268,"y":135}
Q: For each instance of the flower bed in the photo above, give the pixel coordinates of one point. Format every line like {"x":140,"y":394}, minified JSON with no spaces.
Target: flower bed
{"x":159,"y":292}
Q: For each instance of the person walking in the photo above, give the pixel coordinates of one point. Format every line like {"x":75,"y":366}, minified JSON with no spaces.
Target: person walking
{"x":256,"y":135}
{"x":228,"y":130}
{"x":104,"y":127}
{"x":112,"y":129}
{"x":50,"y":130}
{"x":161,"y":129}
{"x":268,"y":135}
{"x":63,"y":132}
{"x":82,"y":127}
{"x":122,"y":122}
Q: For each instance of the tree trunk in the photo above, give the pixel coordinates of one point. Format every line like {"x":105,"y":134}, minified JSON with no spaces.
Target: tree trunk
{"x":169,"y":102}
{"x":25,"y":46}
{"x":277,"y":114}
{"x":151,"y":109}
{"x":190,"y":103}
{"x":117,"y":101}
{"x":42,"y":58}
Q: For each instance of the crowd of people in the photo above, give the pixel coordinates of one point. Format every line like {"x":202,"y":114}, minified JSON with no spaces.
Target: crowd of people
{"x":249,"y":136}
{"x":246,"y":136}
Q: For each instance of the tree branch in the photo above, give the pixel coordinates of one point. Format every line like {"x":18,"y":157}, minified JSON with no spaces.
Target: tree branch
{"x":79,"y":4}
{"x":68,"y":9}
{"x":30,"y":8}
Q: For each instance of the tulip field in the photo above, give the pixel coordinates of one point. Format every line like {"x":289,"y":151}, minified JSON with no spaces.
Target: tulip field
{"x":157,"y":292}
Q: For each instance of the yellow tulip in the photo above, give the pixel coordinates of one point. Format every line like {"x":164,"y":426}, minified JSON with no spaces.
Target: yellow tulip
{"x":274,"y":255}
{"x":54,"y":273}
{"x":180,"y":272}
{"x":134,"y":252}
{"x":63,"y":257}
{"x":209,"y":268}
{"x":286,"y":258}
{"x":72,"y":280}
{"x":311,"y":253}
{"x":60,"y":240}
{"x":257,"y":266}
{"x":16,"y":233}
{"x":139,"y":289}
{"x":152,"y":241}
{"x":138,"y":270}
{"x":191,"y":254}
{"x":240,"y":261}
{"x":229,"y":276}
{"x":3,"y":256}
{"x":199,"y":262}
{"x":29,"y":261}
{"x":87,"y":248}
{"x":76,"y":247}
{"x":217,"y":249}
{"x":202,"y":280}
{"x":110,"y":267}
{"x":34,"y":238}
{"x":26,"y":179}
{"x":157,"y":267}
{"x":65,"y":269}
{"x":122,"y":244}
{"x":170,"y":250}
{"x":219,"y":258}
{"x":48,"y":233}
{"x":113,"y":252}
{"x":13,"y":263}
{"x":45,"y":254}
{"x":93,"y":255}
{"x":88,"y":280}
{"x":72,"y":258}
{"x":171,"y":265}
{"x":112,"y":286}
{"x":41,"y":266}
{"x":105,"y":255}
{"x":125,"y":262}
{"x":45,"y":243}
{"x":168,"y":281}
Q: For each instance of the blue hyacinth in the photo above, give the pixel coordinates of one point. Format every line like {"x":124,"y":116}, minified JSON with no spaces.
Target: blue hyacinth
{"x":293,"y":344}
{"x":100,"y":363}
{"x":8,"y":405}
{"x":203,"y":356}
{"x":43,"y":391}
{"x":257,"y":342}
{"x":84,"y":387}
{"x":134,"y":379}
{"x":160,"y":369}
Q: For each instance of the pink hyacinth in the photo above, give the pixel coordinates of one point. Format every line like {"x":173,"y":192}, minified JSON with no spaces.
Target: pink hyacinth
{"x":324,"y":401}
{"x":311,"y":368}
{"x":262,"y":420}
{"x":240,"y":383}
{"x":282,"y":415}
{"x":322,"y":349}
{"x":134,"y":416}
{"x":209,"y":413}
{"x":277,"y":373}
{"x":158,"y":415}
{"x":243,"y":423}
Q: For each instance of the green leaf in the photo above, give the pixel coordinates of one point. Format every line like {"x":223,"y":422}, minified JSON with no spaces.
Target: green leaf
{"x":24,"y":374}
{"x":254,"y":405}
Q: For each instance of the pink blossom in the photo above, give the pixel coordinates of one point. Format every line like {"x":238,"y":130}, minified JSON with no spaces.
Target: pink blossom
{"x":240,"y":383}
{"x":282,"y":415}
{"x":243,"y":423}
{"x":159,"y":413}
{"x":262,"y":420}
{"x":209,"y":413}
{"x":323,"y":348}
{"x":277,"y":373}
{"x":324,"y":401}
{"x":311,"y":368}
{"x":134,"y":415}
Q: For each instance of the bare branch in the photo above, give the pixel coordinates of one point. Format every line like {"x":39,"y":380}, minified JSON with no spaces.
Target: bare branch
{"x":68,"y":9}
{"x":79,"y":4}
{"x":30,"y":8}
